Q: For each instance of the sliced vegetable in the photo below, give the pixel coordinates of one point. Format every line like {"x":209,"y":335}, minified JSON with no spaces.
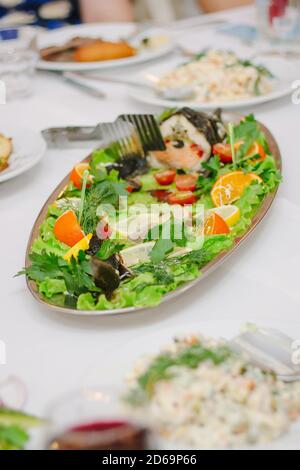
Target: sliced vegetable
{"x":182,"y":198}
{"x":186,"y":182}
{"x":165,"y":178}
{"x":224,"y":151}
{"x":161,"y":194}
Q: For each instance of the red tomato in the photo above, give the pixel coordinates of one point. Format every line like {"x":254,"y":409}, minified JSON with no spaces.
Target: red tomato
{"x":161,"y":194}
{"x":186,"y":182}
{"x":182,"y":198}
{"x":165,"y":177}
{"x":199,"y":149}
{"x":129,"y":188}
{"x":224,"y":152}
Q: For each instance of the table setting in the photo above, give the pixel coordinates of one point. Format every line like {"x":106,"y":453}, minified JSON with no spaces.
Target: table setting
{"x":113,"y":334}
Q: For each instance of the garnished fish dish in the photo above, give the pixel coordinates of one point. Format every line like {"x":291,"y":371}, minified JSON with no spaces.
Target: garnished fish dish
{"x":197,"y":393}
{"x":124,"y":232}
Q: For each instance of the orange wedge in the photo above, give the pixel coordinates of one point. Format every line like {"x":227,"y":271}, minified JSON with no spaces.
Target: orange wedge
{"x":257,"y":149}
{"x":215,"y":225}
{"x":67,"y":229}
{"x":77,"y":174}
{"x":230,"y":187}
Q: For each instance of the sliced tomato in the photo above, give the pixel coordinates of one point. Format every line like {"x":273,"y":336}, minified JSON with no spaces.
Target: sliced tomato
{"x":161,"y":194}
{"x":129,"y":188}
{"x":182,"y":198}
{"x":186,"y":182}
{"x":165,"y":177}
{"x":224,"y":151}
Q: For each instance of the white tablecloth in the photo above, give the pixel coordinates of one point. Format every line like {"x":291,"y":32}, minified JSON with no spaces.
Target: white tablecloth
{"x":52,"y":352}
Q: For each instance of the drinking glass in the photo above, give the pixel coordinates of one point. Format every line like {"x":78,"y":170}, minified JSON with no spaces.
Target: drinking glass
{"x":18,"y":58}
{"x":93,"y":419}
{"x":278,"y":24}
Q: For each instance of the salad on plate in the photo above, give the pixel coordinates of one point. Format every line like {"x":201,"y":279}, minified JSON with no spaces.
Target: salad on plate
{"x":219,"y":76}
{"x":122,"y":234}
{"x":198,"y":393}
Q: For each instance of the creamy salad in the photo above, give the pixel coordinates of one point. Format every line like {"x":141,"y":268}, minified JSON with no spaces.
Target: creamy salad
{"x":199,"y":394}
{"x":219,"y":76}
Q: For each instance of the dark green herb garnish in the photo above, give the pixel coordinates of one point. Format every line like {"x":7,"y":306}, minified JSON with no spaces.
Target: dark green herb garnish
{"x":103,"y":192}
{"x":190,"y":357}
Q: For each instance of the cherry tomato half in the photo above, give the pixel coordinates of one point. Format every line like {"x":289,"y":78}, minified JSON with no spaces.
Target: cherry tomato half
{"x":224,"y":152}
{"x":161,"y":194}
{"x":182,"y":198}
{"x":186,"y":182}
{"x":129,"y":188}
{"x":165,"y":177}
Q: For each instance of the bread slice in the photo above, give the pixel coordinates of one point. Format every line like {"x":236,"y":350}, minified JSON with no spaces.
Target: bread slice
{"x":6,"y":148}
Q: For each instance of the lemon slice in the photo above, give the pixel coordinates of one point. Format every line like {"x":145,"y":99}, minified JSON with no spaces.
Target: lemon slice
{"x":137,"y":226}
{"x":230,"y":213}
{"x":141,"y":253}
{"x":82,"y":245}
{"x":137,"y":253}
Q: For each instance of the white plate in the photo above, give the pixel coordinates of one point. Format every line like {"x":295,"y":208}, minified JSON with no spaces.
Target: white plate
{"x":121,"y":362}
{"x":284,"y":71}
{"x":28,"y":149}
{"x":108,"y":31}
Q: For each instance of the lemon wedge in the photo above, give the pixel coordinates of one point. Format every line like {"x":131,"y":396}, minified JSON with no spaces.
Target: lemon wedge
{"x":230,"y":213}
{"x":82,"y":245}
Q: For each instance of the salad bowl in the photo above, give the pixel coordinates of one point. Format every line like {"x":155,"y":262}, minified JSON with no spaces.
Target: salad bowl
{"x":205,"y":270}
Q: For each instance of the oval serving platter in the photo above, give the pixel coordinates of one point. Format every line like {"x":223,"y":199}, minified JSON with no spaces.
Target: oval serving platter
{"x":207,"y":269}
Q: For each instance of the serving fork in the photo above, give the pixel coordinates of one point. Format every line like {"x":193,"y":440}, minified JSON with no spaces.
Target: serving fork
{"x":131,"y":134}
{"x":270,"y":349}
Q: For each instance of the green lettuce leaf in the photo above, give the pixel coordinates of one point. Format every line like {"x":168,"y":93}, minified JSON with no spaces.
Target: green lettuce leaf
{"x":248,"y":204}
{"x":50,"y":287}
{"x":12,"y":438}
{"x":47,"y":241}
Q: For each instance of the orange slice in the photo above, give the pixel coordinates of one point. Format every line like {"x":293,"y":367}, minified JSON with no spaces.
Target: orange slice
{"x":257,"y":149}
{"x":230,"y":187}
{"x":215,"y":225}
{"x":77,"y":174}
{"x":67,"y":229}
